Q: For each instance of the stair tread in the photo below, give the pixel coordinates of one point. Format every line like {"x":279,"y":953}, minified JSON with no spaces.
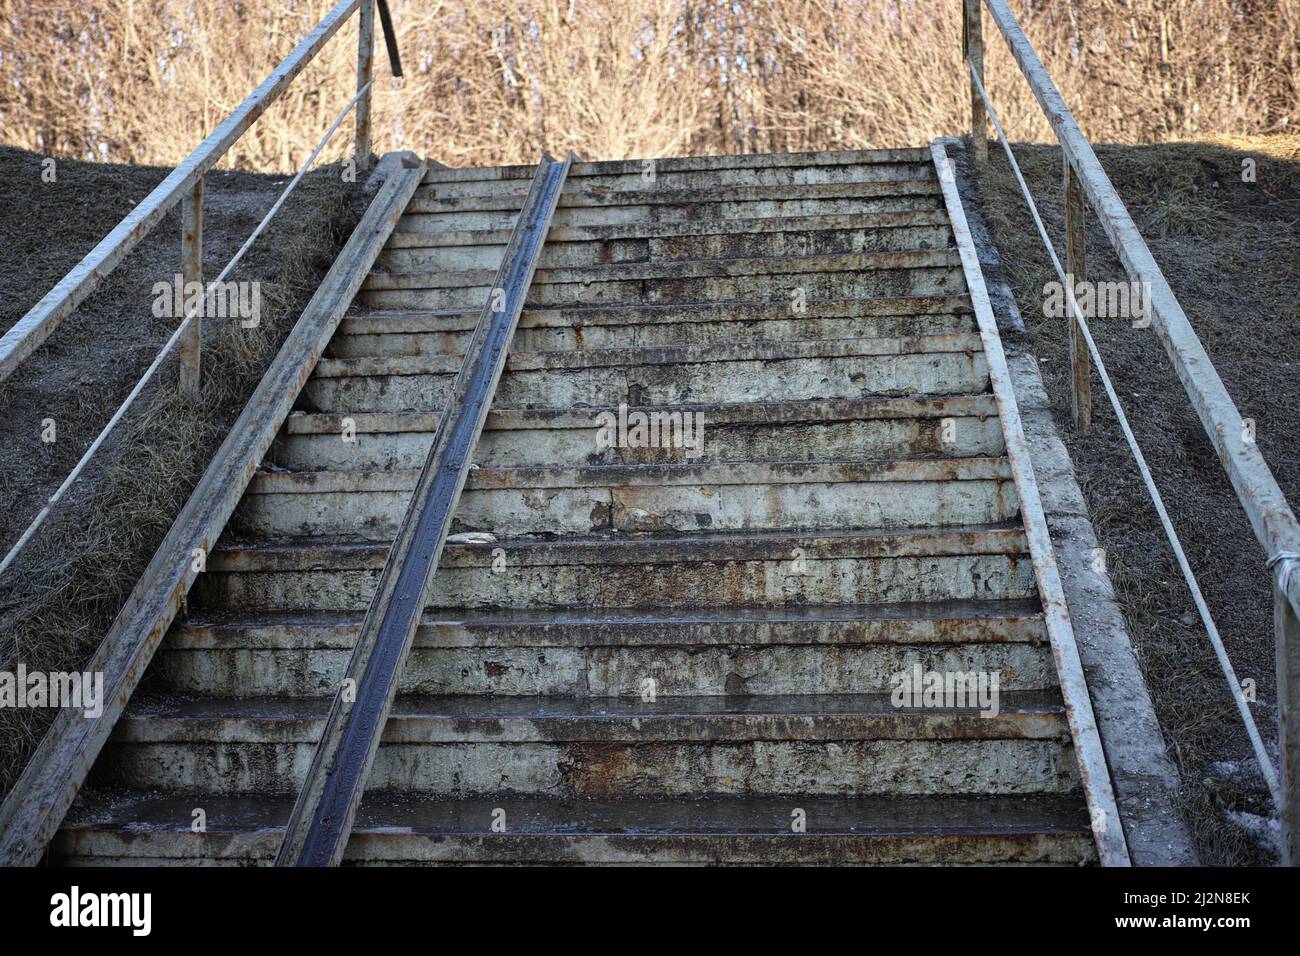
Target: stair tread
{"x":560,"y":360}
{"x":999,"y":538}
{"x":746,"y":472}
{"x":722,"y":161}
{"x":572,"y":197}
{"x":1049,"y":813}
{"x":580,"y":617}
{"x":469,"y":707}
{"x":586,"y":313}
{"x":404,"y":237}
{"x":809,"y":411}
{"x":680,"y":268}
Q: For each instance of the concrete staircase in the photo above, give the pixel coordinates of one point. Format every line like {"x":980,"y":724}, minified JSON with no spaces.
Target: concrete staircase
{"x":664,"y":654}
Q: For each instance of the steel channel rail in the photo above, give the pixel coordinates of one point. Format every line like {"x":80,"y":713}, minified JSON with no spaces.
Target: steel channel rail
{"x":322,"y":818}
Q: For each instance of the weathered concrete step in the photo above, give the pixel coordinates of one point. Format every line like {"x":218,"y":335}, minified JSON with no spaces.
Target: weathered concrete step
{"x":445,"y":333}
{"x":412,"y":334}
{"x":122,"y":828}
{"x":732,"y":496}
{"x":792,"y":281}
{"x":377,"y":322}
{"x":785,"y":241}
{"x":952,"y":426}
{"x":690,"y":374}
{"x":812,"y":650}
{"x":855,"y":744}
{"x":577,"y":196}
{"x":789,"y":162}
{"x":434,"y":719}
{"x":676,"y":235}
{"x":649,"y":176}
{"x":666,"y":572}
{"x":705,"y":212}
{"x":678,"y":269}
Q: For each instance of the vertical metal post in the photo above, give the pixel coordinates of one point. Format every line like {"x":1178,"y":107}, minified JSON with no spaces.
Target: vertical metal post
{"x":191,"y":271}
{"x":972,"y":35}
{"x":1076,"y":271}
{"x":1286,"y":629}
{"x":365,"y":73}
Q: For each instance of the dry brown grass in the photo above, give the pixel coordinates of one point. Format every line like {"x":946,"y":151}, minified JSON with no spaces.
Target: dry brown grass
{"x":141,"y":81}
{"x":1231,"y":252}
{"x":58,"y":599}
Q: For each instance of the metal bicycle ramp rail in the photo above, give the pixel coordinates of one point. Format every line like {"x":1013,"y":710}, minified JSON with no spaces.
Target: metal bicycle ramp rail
{"x":753,"y":460}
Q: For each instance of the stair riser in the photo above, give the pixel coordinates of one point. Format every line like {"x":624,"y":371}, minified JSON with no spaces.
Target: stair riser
{"x":691,"y":671}
{"x":802,"y":441}
{"x":172,"y":848}
{"x":701,"y":212}
{"x":655,"y":334}
{"x":505,"y":512}
{"x":851,"y":376}
{"x":786,"y":163}
{"x":804,"y":242}
{"x":616,"y":769}
{"x":649,"y":175}
{"x":764,"y":287}
{"x":724,"y":583}
{"x":577,"y":196}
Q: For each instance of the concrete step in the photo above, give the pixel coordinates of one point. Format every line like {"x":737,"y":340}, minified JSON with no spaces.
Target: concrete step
{"x":703,"y":200}
{"x":951,"y":426}
{"x":620,"y":571}
{"x":105,"y":828}
{"x":792,"y":650}
{"x":559,"y":747}
{"x":674,"y":238}
{"x":701,"y":209}
{"x":793,"y":237}
{"x":651,"y":175}
{"x":789,"y":163}
{"x":731,"y":496}
{"x":790,"y":280}
{"x":690,"y":374}
{"x":446,"y":333}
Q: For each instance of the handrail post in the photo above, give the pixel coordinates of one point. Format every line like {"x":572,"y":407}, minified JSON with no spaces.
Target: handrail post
{"x":191,"y":272}
{"x":973,"y":50}
{"x":365,"y":73}
{"x":1286,"y":630}
{"x":1076,"y":265}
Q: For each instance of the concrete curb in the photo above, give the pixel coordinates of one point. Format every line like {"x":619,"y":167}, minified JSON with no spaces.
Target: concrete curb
{"x":1145,"y":779}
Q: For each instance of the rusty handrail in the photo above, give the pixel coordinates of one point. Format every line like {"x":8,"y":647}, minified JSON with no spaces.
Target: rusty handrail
{"x":1270,"y":515}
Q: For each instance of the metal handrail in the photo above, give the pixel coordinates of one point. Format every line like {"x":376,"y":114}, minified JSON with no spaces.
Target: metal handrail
{"x":1271,"y":517}
{"x":185,"y":182}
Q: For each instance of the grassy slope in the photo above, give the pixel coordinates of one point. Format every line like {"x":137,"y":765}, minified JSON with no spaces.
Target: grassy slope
{"x":1231,"y":252}
{"x":59,"y":598}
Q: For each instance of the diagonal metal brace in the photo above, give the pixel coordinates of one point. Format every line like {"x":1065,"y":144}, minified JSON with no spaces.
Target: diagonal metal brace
{"x":322,"y":818}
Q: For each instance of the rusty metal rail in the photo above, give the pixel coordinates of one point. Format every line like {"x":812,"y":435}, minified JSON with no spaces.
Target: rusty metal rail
{"x":1271,"y":517}
{"x":322,"y":818}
